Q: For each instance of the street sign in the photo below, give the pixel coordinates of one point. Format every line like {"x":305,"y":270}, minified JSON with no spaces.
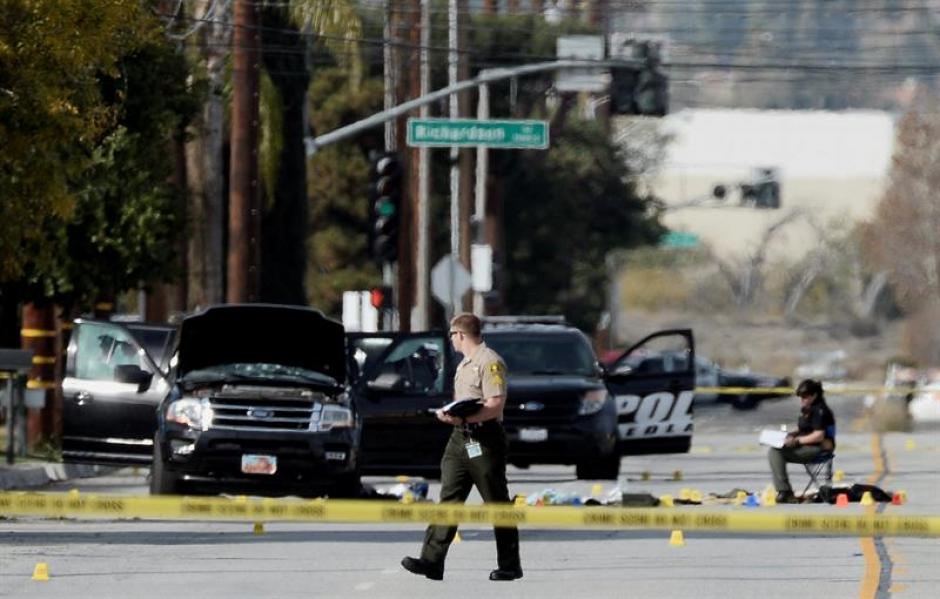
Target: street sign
{"x":587,"y":48}
{"x":500,"y":134}
{"x":441,"y":280}
{"x":679,"y":239}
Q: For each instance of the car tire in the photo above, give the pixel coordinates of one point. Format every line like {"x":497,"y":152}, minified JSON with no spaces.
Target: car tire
{"x":744,"y":402}
{"x":602,"y":468}
{"x":162,"y":480}
{"x":348,"y":486}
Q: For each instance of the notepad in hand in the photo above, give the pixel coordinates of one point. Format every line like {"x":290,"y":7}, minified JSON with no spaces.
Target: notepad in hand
{"x":772,"y":438}
{"x":461,"y":408}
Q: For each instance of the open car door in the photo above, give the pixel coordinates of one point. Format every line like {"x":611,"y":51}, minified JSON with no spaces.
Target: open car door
{"x":115,"y":377}
{"x":401,"y":377}
{"x":653,"y":383}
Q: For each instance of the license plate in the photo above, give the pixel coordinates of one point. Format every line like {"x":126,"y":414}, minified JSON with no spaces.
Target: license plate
{"x":533,"y":435}
{"x":259,"y":464}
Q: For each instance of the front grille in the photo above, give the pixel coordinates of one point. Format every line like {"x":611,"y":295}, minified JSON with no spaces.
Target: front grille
{"x":280,"y":414}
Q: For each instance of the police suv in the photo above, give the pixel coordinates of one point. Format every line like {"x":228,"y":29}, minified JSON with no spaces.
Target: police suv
{"x":563,"y":406}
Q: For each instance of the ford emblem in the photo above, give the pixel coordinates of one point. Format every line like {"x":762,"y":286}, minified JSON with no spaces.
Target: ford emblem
{"x":260,"y":413}
{"x":532,"y":406}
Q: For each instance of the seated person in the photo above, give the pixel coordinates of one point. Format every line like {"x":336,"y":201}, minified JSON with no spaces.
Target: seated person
{"x":815,"y":433}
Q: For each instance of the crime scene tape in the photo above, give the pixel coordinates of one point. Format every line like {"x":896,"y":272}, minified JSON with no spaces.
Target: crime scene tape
{"x":63,"y":505}
{"x":829,"y":390}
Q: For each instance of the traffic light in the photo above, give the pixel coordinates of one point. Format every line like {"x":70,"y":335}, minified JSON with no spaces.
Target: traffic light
{"x":380,"y":297}
{"x":644,"y":91}
{"x":386,"y":200}
{"x":763,"y":191}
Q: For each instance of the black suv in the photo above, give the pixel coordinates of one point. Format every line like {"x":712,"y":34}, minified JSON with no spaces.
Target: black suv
{"x":563,"y":407}
{"x":249,"y":396}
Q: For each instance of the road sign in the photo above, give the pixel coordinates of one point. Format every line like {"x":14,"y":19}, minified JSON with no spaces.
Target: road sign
{"x":587,"y":48}
{"x":679,"y":239}
{"x":441,"y":280}
{"x":501,"y":134}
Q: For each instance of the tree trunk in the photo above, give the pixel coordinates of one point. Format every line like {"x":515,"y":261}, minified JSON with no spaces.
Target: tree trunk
{"x":285,"y":225}
{"x":205,"y":171}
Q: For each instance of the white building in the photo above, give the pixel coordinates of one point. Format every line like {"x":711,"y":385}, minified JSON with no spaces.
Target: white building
{"x":832,"y":167}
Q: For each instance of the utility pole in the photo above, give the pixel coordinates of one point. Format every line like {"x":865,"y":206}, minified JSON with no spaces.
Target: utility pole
{"x":409,"y":225}
{"x":39,"y":335}
{"x":244,"y":243}
{"x":452,"y":68}
{"x":479,"y":210}
{"x":421,"y":319}
{"x":465,"y":163}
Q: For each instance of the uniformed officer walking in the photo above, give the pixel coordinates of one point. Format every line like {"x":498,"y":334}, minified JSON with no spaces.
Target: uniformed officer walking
{"x":475,"y":454}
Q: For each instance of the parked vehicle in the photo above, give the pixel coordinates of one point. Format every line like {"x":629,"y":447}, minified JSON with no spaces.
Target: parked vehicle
{"x":253,"y":399}
{"x":562,"y":407}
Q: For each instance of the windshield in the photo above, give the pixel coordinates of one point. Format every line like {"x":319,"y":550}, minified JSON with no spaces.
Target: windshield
{"x":544,"y":354}
{"x":258,"y":372}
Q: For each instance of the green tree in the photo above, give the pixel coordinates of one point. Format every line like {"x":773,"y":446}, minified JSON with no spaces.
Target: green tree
{"x":565,"y":209}
{"x":52,"y":114}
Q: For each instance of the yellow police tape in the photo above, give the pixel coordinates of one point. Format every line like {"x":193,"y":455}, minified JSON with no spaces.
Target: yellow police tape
{"x":265,"y":509}
{"x":829,"y":390}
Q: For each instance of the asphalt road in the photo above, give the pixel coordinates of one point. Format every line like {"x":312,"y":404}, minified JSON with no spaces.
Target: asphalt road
{"x":210,"y":559}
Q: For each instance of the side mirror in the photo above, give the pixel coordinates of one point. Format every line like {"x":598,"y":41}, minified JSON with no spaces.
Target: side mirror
{"x":600,"y":369}
{"x":135,"y":375}
{"x":388,"y":383}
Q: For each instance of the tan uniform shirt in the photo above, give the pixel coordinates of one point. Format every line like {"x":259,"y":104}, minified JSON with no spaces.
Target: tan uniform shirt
{"x":481,"y":375}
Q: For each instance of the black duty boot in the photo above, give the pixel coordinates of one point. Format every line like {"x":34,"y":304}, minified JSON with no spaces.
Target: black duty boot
{"x":500,"y":574}
{"x":423,"y":567}
{"x":786,"y":497}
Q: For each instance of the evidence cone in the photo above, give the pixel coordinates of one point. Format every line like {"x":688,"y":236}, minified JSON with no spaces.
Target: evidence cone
{"x":41,"y":571}
{"x":685,"y":493}
{"x":73,"y":494}
{"x":752,"y":500}
{"x":838,"y":475}
{"x":676,"y":539}
{"x":741,"y":497}
{"x":867,"y":498}
{"x":596,"y":490}
{"x":645,"y":475}
{"x":842,"y":500}
{"x":519,"y":500}
{"x":696,"y":495}
{"x":666,"y":501}
{"x":770,"y":499}
{"x":910,"y":445}
{"x":258,"y":528}
{"x":457,"y":538}
{"x":408,"y":497}
{"x":897,"y":499}
{"x":677,"y":475}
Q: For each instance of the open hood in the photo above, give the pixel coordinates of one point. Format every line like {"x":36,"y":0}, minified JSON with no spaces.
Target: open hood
{"x":262,"y":333}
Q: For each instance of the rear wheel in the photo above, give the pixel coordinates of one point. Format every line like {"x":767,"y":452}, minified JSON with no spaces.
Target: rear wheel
{"x":602,"y":468}
{"x":162,"y":480}
{"x":744,"y":402}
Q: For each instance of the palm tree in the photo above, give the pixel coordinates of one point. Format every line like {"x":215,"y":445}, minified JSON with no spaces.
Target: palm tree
{"x":284,"y":126}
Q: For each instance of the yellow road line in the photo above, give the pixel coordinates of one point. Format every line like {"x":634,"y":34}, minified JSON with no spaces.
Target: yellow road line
{"x":872,"y":577}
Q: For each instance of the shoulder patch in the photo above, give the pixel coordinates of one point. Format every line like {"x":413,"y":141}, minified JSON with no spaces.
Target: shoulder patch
{"x":497,"y":368}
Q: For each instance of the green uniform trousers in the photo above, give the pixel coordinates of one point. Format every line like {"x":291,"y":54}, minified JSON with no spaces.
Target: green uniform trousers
{"x":459,"y":473}
{"x":779,"y":458}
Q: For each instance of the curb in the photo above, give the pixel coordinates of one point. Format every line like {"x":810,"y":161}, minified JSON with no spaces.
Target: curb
{"x":29,"y":476}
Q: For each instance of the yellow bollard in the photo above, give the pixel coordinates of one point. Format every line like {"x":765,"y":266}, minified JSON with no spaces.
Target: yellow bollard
{"x":676,"y":539}
{"x":41,"y":571}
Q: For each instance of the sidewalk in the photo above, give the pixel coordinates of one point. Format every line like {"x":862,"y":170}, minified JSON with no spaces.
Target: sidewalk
{"x":31,"y":475}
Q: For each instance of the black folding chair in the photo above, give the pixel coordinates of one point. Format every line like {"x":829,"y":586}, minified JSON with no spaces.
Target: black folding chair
{"x":821,"y":464}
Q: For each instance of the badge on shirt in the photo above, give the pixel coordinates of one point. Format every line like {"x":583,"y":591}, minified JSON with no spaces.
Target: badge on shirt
{"x":473,"y":449}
